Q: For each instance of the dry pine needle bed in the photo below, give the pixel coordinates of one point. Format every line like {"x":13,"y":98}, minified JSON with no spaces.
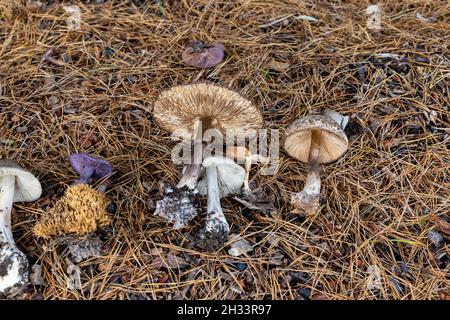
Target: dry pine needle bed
{"x":383,"y":227}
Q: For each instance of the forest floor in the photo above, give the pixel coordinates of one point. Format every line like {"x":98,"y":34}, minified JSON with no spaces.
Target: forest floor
{"x":383,"y":226}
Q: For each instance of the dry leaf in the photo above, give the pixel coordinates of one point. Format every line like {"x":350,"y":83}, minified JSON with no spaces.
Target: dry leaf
{"x":239,"y":247}
{"x":373,"y":13}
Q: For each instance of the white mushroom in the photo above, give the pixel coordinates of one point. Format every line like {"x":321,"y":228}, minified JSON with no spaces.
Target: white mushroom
{"x":16,"y":185}
{"x":222,"y":177}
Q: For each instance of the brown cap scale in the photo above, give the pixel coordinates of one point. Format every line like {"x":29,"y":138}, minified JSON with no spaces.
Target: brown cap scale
{"x":315,"y":140}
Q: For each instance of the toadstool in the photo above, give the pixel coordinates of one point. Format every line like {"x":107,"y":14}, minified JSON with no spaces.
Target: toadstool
{"x":89,"y":168}
{"x":16,"y":185}
{"x":195,"y":108}
{"x":241,"y":153}
{"x":223,"y":177}
{"x":203,"y":56}
{"x":315,"y":140}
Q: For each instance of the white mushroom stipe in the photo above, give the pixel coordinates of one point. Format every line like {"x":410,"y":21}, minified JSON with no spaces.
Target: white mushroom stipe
{"x":242,"y":153}
{"x":223,"y":177}
{"x":309,"y":198}
{"x":13,"y":263}
{"x":16,"y":184}
{"x":192,"y":171}
{"x":216,"y":223}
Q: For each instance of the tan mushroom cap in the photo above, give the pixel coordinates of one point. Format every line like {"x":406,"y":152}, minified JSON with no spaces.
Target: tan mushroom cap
{"x":332,"y":141}
{"x":27,"y":186}
{"x":179,"y":107}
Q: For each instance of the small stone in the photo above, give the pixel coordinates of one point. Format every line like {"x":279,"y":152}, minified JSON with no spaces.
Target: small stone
{"x":305,"y":292}
{"x":435,"y":238}
{"x":21,"y":129}
{"x":241,"y":266}
{"x":36,"y":275}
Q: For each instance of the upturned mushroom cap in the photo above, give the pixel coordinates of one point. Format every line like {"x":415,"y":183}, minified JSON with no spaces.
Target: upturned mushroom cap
{"x":179,"y":107}
{"x":230,"y":176}
{"x":27,"y":186}
{"x":89,"y":166}
{"x":201,"y":56}
{"x":299,"y":138}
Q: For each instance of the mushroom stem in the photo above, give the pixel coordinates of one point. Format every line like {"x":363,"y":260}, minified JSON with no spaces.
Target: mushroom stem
{"x":216,"y":222}
{"x":6,"y":201}
{"x":308,"y":200}
{"x":192,"y":173}
{"x":13,"y":263}
{"x":312,"y":183}
{"x":248,"y":166}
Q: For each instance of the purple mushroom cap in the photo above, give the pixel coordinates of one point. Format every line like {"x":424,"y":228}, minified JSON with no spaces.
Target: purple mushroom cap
{"x":88,"y":167}
{"x":202,"y":56}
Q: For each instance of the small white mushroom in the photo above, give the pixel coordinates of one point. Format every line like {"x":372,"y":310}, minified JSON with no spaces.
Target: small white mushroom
{"x":241,"y":153}
{"x":16,"y":185}
{"x":222,"y":177}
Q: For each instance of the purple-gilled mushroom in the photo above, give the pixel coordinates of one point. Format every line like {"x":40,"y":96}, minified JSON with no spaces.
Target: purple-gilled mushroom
{"x":203,"y":56}
{"x":190,"y":110}
{"x":88,"y":168}
{"x":16,"y":185}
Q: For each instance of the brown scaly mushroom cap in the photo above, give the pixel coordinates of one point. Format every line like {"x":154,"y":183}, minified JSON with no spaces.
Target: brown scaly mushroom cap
{"x":179,"y":107}
{"x":317,"y":130}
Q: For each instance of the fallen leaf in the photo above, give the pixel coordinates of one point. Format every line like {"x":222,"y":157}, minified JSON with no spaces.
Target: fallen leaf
{"x":278,"y":66}
{"x":239,"y":246}
{"x":74,"y":21}
{"x":36,"y":275}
